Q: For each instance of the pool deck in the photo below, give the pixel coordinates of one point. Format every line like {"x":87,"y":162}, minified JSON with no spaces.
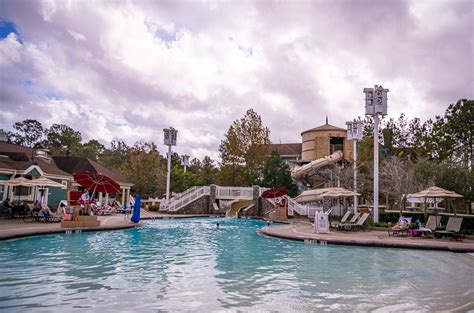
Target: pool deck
{"x":302,"y":230}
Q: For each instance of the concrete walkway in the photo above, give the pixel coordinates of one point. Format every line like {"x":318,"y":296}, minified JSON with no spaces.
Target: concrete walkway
{"x":17,"y":228}
{"x":303,"y":230}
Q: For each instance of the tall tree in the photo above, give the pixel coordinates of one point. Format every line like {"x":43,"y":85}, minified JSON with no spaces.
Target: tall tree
{"x":244,"y":150}
{"x":29,"y":133}
{"x":276,"y":173}
{"x":62,"y":140}
{"x":92,"y":149}
{"x":143,"y":168}
{"x":115,"y":156}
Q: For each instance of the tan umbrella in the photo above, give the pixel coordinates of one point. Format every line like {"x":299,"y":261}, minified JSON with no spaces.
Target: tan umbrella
{"x":319,"y":194}
{"x":45,"y":182}
{"x":435,"y":193}
{"x":19,"y":181}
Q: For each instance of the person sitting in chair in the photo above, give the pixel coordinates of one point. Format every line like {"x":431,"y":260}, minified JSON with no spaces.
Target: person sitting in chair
{"x":44,"y":212}
{"x":6,"y":207}
{"x":36,"y":208}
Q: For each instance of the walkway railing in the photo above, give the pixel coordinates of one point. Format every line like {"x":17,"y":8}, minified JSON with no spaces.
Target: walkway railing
{"x":234,"y":192}
{"x":176,"y":204}
{"x":294,"y":206}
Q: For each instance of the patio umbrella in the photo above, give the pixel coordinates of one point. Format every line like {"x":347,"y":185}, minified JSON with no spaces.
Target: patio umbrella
{"x":319,"y":194}
{"x":97,"y":182}
{"x":435,"y":193}
{"x":45,"y":182}
{"x":136,"y":210}
{"x":18,"y":181}
{"x":274,"y":193}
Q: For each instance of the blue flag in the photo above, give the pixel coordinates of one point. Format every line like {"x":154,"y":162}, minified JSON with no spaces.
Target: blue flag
{"x":136,"y":210}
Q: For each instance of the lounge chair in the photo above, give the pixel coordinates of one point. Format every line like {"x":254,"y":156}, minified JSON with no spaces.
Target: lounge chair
{"x":452,"y":229}
{"x":107,"y":210}
{"x":343,"y":219}
{"x":347,"y":226}
{"x":360,"y":224}
{"x":433,"y":222}
{"x":401,"y":228}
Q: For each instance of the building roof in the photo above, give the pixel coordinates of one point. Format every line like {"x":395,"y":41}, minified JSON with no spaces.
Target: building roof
{"x":17,"y":157}
{"x":324,"y":127}
{"x":81,"y":164}
{"x":287,"y":148}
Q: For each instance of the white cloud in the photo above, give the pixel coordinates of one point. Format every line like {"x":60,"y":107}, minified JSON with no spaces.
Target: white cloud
{"x":127,"y":70}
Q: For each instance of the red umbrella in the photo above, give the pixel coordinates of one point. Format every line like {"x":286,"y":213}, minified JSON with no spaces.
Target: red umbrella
{"x":97,"y":182}
{"x":274,"y":193}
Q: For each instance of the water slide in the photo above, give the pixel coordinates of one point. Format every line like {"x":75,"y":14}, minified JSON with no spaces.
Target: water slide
{"x":236,"y":206}
{"x":309,"y":169}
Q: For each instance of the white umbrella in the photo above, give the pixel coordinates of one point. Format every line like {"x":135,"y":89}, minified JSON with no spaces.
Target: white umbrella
{"x":435,"y":193}
{"x":45,"y":182}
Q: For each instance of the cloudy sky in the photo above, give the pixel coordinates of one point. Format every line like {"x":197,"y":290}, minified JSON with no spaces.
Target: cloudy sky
{"x":127,"y":69}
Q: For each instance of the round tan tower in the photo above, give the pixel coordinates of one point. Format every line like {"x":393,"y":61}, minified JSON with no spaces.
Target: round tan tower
{"x":324,"y":140}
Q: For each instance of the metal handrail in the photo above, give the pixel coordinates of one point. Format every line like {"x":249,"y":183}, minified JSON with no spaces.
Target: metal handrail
{"x":295,"y":206}
{"x":190,"y":197}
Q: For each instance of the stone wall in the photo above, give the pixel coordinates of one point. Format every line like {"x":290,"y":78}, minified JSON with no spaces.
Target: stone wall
{"x":200,"y":206}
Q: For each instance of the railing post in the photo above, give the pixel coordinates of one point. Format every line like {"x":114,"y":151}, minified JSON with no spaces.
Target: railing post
{"x":212,"y":197}
{"x":256,"y":196}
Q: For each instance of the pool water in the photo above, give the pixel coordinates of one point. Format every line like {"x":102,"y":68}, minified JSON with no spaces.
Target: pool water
{"x":189,"y":265}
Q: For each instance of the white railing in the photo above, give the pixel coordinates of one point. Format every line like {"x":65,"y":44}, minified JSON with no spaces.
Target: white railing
{"x":164,"y":206}
{"x":177,"y":204}
{"x":234,"y":192}
{"x":294,"y":206}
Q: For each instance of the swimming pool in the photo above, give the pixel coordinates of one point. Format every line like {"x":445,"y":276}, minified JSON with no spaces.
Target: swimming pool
{"x":188,"y":265}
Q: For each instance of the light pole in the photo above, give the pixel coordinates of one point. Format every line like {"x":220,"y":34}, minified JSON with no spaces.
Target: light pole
{"x":170,"y":137}
{"x":185,"y":161}
{"x":375,"y":104}
{"x":354,"y":133}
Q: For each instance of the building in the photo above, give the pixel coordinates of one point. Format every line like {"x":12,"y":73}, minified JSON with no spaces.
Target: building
{"x":16,"y":160}
{"x":289,"y":152}
{"x":20,"y":161}
{"x":324,"y":140}
{"x":73,"y":165}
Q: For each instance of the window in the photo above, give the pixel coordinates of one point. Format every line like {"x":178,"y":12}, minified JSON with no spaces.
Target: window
{"x":336,"y":144}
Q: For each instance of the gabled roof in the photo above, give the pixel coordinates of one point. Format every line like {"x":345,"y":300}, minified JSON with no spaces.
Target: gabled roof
{"x":80,"y":164}
{"x":17,"y":157}
{"x":324,"y":127}
{"x":287,"y":148}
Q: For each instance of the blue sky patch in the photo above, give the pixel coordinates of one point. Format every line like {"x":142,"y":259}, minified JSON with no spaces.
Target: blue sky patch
{"x":166,"y":36}
{"x":6,"y":28}
{"x":53,"y":96}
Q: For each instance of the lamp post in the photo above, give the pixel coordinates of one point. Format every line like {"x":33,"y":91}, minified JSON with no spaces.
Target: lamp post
{"x":170,"y":137}
{"x":185,"y":161}
{"x":354,"y":133}
{"x":375,"y":104}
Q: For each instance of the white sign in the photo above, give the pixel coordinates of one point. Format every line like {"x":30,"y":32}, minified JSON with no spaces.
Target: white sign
{"x":170,"y":136}
{"x":375,"y":100}
{"x":321,"y":223}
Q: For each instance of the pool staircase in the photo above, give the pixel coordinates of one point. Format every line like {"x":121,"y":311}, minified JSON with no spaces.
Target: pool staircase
{"x":185,"y":198}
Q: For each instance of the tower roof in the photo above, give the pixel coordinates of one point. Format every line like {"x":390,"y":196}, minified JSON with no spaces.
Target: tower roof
{"x":324,"y":127}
